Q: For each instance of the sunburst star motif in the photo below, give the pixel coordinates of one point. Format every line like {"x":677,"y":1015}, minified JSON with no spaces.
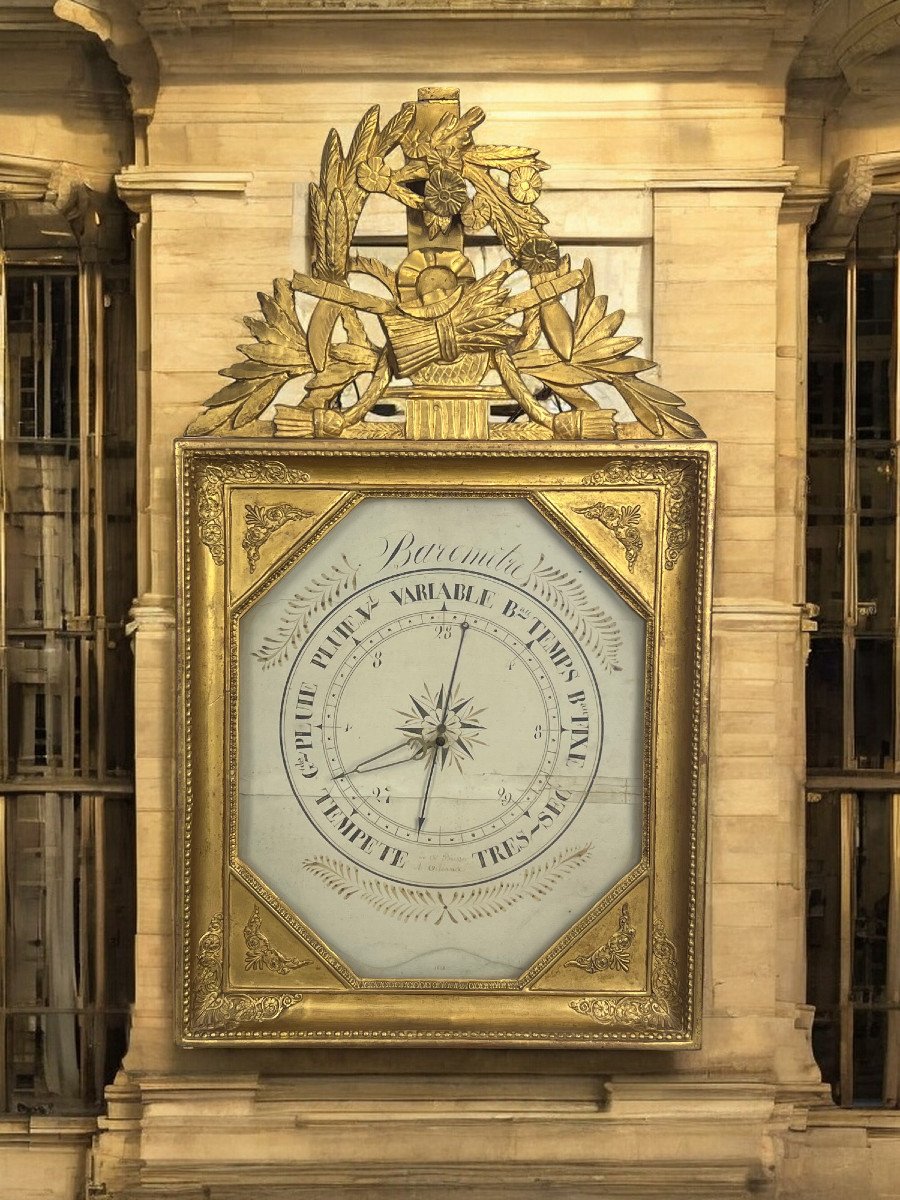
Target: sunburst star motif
{"x":450,"y":725}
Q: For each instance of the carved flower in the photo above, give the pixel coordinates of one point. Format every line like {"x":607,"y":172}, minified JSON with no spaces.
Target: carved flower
{"x":445,"y":192}
{"x":525,"y":184}
{"x":415,"y":144}
{"x":447,"y":154}
{"x":538,"y":256}
{"x":477,"y":213}
{"x":374,"y":175}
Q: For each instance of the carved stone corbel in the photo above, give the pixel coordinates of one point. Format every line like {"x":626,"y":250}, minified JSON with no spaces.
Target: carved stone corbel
{"x":855,"y":182}
{"x":833,"y":233}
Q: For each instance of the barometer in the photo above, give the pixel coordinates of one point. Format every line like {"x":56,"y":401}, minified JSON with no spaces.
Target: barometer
{"x":459,"y":735}
{"x":443,"y":641}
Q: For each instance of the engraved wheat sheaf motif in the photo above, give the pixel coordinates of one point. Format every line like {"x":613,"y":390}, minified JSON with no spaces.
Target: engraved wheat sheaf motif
{"x":595,"y":629}
{"x":317,"y":598}
{"x":406,"y":903}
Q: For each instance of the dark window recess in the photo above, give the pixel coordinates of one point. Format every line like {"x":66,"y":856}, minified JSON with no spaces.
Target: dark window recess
{"x":66,"y":738}
{"x":825,"y":568}
{"x":874,"y":319}
{"x":853,"y":876}
{"x":42,"y":334}
{"x":824,"y":688}
{"x":827,"y":337}
{"x":873,"y":703}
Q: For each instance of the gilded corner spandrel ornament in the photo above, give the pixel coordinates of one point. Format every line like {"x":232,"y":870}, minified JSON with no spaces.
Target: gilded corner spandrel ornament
{"x":419,"y":343}
{"x":615,"y":952}
{"x":213,"y":1007}
{"x":624,"y":523}
{"x":661,"y":1009}
{"x":261,"y":521}
{"x":210,"y":496}
{"x":680,"y":484}
{"x":261,"y":955}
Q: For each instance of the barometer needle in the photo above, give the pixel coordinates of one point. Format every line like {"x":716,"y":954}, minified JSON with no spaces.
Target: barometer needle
{"x":366,"y":765}
{"x":439,"y":741}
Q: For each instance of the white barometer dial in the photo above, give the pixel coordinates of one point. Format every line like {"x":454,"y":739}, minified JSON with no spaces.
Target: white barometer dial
{"x":441,"y":728}
{"x":441,"y":718}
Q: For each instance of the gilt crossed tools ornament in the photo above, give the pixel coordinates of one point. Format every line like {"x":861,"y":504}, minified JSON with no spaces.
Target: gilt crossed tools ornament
{"x":431,"y":332}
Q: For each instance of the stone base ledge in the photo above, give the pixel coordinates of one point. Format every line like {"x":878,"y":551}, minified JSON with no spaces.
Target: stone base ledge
{"x":412,"y":1181}
{"x":402,"y":1137}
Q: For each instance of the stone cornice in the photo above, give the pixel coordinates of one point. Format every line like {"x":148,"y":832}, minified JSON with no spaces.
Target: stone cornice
{"x":25,"y":178}
{"x":136,"y":185}
{"x":34,"y":1129}
{"x":169,"y":14}
{"x":885,"y":172}
{"x":49,"y":181}
{"x":743,"y":37}
{"x":33,"y":19}
{"x":672,"y":179}
{"x":802,"y":203}
{"x":757,"y":616}
{"x":151,"y":614}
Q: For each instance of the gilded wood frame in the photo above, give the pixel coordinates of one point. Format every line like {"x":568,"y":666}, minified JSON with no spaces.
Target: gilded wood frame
{"x":249,"y":971}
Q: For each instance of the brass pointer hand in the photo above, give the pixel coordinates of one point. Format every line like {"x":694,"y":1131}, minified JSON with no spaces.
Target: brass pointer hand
{"x":374,"y":763}
{"x":439,"y":740}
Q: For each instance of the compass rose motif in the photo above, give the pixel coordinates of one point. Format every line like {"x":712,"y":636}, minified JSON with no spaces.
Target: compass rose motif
{"x":453,"y":736}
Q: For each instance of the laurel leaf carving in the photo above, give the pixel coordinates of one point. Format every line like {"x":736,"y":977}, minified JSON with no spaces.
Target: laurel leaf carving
{"x":395,"y":129}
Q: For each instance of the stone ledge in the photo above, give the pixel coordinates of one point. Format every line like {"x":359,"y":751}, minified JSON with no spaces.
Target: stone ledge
{"x":415,"y":1181}
{"x":44,"y":1132}
{"x":137,"y":185}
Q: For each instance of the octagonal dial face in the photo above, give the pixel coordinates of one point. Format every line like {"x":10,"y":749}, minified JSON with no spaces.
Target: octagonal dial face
{"x":452,"y":748}
{"x":440,"y":737}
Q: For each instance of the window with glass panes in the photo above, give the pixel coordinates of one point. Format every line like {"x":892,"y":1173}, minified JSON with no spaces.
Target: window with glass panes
{"x":66,"y":736}
{"x":853,"y":814}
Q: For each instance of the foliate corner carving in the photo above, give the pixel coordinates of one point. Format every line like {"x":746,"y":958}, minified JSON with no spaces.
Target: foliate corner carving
{"x":660,"y":1009}
{"x":262,"y":955}
{"x":262,"y":521}
{"x":534,"y":322}
{"x":210,"y":494}
{"x":624,"y":523}
{"x":680,"y":487}
{"x":214,"y":1008}
{"x":615,"y":953}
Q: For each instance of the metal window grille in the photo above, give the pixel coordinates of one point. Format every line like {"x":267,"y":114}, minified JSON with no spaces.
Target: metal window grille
{"x":853,"y":820}
{"x":66,"y":583}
